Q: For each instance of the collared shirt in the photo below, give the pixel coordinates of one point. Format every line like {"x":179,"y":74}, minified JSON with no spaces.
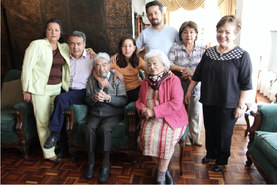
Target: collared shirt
{"x":179,"y":56}
{"x":107,"y":78}
{"x":80,"y":70}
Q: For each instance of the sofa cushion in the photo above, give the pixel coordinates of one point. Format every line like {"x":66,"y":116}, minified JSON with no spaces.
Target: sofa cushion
{"x":8,"y":120}
{"x":120,"y":130}
{"x":264,"y":162}
{"x":267,"y":145}
{"x":81,"y":113}
{"x":11,"y":94}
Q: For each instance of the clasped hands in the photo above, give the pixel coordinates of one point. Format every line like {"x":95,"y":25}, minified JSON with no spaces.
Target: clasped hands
{"x":147,"y":113}
{"x":186,"y":73}
{"x":101,"y":96}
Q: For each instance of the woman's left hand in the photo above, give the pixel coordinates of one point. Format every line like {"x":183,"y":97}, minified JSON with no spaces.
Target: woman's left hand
{"x":187,"y":73}
{"x":238,"y":112}
{"x":147,"y":113}
{"x":91,"y":53}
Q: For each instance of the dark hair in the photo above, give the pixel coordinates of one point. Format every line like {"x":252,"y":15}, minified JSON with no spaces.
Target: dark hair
{"x":61,"y":40}
{"x":154,"y":3}
{"x":134,"y":59}
{"x":189,"y":24}
{"x":230,"y":19}
{"x":78,"y":34}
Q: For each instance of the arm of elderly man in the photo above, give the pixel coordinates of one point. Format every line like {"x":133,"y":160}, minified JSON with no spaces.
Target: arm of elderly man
{"x":116,"y":92}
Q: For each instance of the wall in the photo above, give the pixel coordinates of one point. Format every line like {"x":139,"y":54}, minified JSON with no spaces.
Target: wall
{"x":258,"y":18}
{"x":103,"y":21}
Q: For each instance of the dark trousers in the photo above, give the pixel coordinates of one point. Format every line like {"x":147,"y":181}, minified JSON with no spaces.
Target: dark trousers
{"x":61,"y":103}
{"x":219,"y":125}
{"x":133,"y":94}
{"x":100,"y":128}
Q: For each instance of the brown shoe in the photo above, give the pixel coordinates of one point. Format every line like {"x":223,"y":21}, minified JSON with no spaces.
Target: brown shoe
{"x":56,"y":161}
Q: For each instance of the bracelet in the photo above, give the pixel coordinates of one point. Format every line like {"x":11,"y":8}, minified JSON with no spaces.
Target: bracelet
{"x":241,"y":107}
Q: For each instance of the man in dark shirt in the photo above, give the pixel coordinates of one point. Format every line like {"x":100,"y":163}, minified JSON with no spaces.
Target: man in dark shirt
{"x":106,"y":110}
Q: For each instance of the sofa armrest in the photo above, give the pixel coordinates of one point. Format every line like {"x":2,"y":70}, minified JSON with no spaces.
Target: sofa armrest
{"x":265,"y":120}
{"x":20,"y":121}
{"x":26,"y":108}
{"x":74,"y":114}
{"x":21,"y":111}
{"x":269,"y":117}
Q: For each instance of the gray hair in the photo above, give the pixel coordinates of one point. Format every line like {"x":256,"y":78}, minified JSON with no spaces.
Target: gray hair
{"x":78,"y":34}
{"x":153,"y":53}
{"x":102,"y":55}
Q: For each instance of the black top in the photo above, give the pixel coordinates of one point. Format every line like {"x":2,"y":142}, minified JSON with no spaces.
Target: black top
{"x":223,"y":77}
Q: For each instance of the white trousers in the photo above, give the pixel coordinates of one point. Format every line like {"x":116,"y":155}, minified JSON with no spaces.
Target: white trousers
{"x":43,"y":109}
{"x":195,"y":117}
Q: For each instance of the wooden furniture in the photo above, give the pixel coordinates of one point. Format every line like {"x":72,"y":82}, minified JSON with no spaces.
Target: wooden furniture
{"x":262,"y":145}
{"x":139,"y":24}
{"x":18,"y":125}
{"x":250,"y":106}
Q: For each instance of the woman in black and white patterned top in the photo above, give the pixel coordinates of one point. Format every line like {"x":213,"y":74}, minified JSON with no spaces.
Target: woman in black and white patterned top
{"x":225,"y":73}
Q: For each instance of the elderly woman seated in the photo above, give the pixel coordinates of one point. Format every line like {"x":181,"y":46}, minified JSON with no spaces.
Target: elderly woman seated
{"x":162,"y":111}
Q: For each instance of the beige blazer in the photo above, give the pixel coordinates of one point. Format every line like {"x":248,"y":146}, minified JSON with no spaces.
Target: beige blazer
{"x":37,"y":64}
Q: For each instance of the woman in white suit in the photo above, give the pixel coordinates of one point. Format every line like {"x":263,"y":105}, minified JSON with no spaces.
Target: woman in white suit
{"x":46,"y":68}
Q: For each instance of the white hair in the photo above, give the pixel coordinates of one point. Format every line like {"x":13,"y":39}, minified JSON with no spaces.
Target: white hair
{"x":153,"y":53}
{"x":102,"y":55}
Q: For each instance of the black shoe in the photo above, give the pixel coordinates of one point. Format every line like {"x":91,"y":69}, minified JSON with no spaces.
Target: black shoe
{"x":163,"y":182}
{"x":51,"y":141}
{"x":104,"y":174}
{"x":218,"y":168}
{"x":168,"y":177}
{"x":206,"y":160}
{"x":56,"y":161}
{"x":89,"y":171}
{"x":61,"y":151}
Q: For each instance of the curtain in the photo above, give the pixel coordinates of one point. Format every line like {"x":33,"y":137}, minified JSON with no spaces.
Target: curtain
{"x":269,"y":72}
{"x":227,"y":7}
{"x":264,"y":85}
{"x":173,"y":5}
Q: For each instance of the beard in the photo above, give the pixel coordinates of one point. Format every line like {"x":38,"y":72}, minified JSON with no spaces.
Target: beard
{"x":156,"y":24}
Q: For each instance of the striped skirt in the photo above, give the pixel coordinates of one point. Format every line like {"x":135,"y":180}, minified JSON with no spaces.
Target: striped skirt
{"x":156,"y":137}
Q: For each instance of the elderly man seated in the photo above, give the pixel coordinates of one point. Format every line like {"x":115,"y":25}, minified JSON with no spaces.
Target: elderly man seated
{"x":106,"y":111}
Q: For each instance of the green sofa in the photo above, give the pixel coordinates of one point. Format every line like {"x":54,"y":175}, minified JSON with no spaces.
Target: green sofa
{"x":123,"y":136}
{"x":18,"y":125}
{"x":262,"y":146}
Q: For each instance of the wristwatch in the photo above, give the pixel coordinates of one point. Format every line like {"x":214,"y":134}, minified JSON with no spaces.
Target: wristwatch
{"x":241,"y":107}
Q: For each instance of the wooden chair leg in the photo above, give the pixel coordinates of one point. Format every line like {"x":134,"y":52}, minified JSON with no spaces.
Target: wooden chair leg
{"x":182,"y":154}
{"x":246,"y":117}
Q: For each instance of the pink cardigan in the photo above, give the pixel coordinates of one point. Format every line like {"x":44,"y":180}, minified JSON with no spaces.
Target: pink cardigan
{"x":171,"y":106}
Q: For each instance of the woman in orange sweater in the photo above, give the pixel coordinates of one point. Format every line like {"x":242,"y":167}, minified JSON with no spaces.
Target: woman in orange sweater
{"x":129,"y":63}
